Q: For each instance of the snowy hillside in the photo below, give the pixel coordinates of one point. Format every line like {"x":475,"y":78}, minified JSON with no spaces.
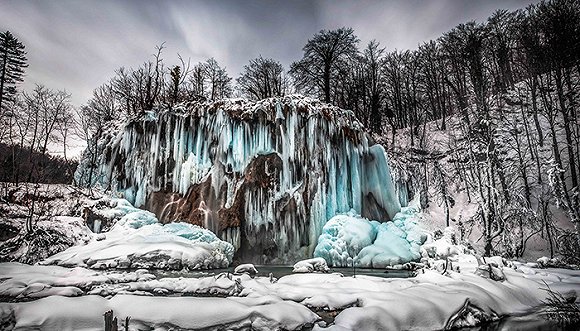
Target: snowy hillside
{"x":443,"y":165}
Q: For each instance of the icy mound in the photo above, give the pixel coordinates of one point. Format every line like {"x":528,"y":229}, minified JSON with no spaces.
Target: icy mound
{"x":371,"y":244}
{"x":264,"y":176}
{"x":138,"y":240}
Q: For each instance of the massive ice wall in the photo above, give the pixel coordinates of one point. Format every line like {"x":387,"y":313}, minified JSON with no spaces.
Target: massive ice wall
{"x":265,"y":176}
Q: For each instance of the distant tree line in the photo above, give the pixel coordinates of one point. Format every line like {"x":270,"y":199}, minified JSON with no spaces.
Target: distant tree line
{"x":29,"y":122}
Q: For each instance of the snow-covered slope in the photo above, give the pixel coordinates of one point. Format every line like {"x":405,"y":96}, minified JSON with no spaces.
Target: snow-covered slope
{"x":39,"y":220}
{"x":264,"y":176}
{"x":447,"y":167}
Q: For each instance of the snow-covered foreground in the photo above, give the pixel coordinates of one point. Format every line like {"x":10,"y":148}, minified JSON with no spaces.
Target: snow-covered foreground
{"x":75,"y":299}
{"x":72,"y":289}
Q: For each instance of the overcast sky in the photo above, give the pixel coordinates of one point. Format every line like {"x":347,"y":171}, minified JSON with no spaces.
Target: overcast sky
{"x":77,"y":44}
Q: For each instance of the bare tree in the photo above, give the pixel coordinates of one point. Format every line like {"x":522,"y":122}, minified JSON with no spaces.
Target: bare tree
{"x":325,"y":55}
{"x":12,"y":65}
{"x":262,"y":78}
{"x":178,"y":75}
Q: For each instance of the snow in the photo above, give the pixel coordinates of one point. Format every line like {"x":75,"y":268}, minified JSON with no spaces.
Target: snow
{"x":311,"y":265}
{"x":443,"y":247}
{"x":138,"y":240}
{"x":247,"y":268}
{"x":75,"y":298}
{"x":160,"y":313}
{"x":510,"y":112}
{"x":369,"y":243}
{"x":56,"y":224}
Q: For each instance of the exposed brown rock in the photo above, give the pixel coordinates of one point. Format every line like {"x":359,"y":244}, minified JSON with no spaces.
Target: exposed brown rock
{"x":204,"y":207}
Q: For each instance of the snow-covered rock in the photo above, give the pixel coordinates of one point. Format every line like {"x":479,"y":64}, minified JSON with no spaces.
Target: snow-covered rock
{"x":316,"y":264}
{"x":247,"y":268}
{"x":138,"y":240}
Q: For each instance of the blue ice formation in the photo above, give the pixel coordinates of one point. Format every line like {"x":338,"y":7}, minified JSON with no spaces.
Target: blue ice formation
{"x":348,"y":237}
{"x":136,"y":219}
{"x":315,"y":161}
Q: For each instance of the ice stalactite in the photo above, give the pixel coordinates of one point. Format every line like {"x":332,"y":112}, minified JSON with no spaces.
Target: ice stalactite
{"x":265,"y":176}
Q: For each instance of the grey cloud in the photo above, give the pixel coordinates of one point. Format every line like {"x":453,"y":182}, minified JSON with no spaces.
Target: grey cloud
{"x":76,"y":45}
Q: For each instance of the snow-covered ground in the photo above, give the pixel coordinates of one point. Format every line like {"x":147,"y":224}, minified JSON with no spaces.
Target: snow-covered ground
{"x":75,"y":299}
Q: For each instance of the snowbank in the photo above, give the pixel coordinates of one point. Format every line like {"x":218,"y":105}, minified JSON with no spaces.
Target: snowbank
{"x":138,"y":240}
{"x":371,"y":244}
{"x":160,"y":313}
{"x":444,"y":299}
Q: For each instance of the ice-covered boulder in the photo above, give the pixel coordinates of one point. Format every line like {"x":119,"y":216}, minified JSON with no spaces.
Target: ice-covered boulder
{"x":265,"y":176}
{"x":371,"y":244}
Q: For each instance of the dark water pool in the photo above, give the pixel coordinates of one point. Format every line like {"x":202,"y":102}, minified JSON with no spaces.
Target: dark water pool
{"x":284,"y":270}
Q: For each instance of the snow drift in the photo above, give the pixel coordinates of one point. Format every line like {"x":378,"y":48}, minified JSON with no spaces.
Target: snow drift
{"x":138,"y":240}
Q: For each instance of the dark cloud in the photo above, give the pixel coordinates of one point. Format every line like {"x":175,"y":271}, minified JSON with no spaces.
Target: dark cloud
{"x":77,"y":44}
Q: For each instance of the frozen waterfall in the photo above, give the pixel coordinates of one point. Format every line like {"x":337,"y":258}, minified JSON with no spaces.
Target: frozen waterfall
{"x":265,"y":176}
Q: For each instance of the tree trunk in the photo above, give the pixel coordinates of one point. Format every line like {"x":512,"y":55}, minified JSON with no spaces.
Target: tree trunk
{"x":567,"y":130}
{"x":534,"y":92}
{"x":327,"y":82}
{"x":3,"y":77}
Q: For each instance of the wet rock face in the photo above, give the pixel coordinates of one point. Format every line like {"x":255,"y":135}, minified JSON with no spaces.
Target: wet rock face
{"x":263,"y":176}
